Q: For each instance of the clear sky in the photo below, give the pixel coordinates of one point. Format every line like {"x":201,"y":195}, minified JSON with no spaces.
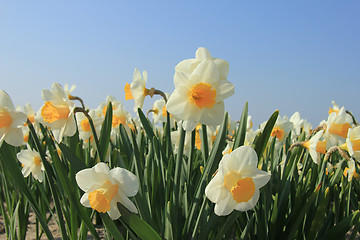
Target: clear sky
{"x":286,"y":55}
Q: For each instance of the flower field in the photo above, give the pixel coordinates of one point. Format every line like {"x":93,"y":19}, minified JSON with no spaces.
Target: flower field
{"x":181,"y":170}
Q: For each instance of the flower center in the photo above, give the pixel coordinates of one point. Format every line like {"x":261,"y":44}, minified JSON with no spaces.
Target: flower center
{"x":242,"y":189}
{"x":356,"y":145}
{"x":51,"y":113}
{"x":164,"y":112}
{"x":202,"y":95}
{"x":321,"y":147}
{"x":85,"y":125}
{"x":339,"y":129}
{"x":117,"y":120}
{"x":100,"y":199}
{"x":37,"y":161}
{"x":128,"y":94}
{"x":5,"y":119}
{"x":278,"y":132}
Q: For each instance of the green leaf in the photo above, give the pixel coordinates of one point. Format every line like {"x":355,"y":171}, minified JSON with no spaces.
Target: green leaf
{"x":262,"y":140}
{"x":241,"y":131}
{"x":110,"y":226}
{"x":104,"y":138}
{"x":74,"y":161}
{"x":10,"y":162}
{"x":140,"y":227}
{"x":340,"y":229}
{"x":146,"y":125}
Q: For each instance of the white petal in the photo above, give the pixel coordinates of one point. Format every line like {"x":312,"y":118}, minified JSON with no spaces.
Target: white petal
{"x":206,"y":72}
{"x":114,"y":212}
{"x":85,"y":179}
{"x":70,"y":127}
{"x":213,"y":116}
{"x":223,"y":67}
{"x":225,"y":206}
{"x":215,"y":191}
{"x":240,"y":158}
{"x":124,"y":200}
{"x":189,"y":125}
{"x":85,"y":200}
{"x":14,"y":137}
{"x":176,"y":104}
{"x":259,"y":177}
{"x":225,"y":90}
{"x":202,"y":54}
{"x":18,"y":119}
{"x":5,"y":100}
{"x":128,"y":182}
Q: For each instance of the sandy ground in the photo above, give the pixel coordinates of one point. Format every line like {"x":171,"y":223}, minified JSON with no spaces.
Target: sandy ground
{"x":53,"y":227}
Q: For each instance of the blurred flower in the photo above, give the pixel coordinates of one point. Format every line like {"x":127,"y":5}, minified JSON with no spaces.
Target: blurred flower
{"x":137,"y":90}
{"x":297,"y":122}
{"x":337,"y":128}
{"x":11,"y":121}
{"x":31,"y":163}
{"x":315,"y":146}
{"x":236,"y":185}
{"x":350,"y":171}
{"x":352,"y":144}
{"x":57,"y":112}
{"x":200,"y":88}
{"x":84,"y":128}
{"x":104,"y":188}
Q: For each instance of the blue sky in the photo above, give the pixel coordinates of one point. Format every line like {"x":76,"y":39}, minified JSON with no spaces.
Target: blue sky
{"x":286,"y":55}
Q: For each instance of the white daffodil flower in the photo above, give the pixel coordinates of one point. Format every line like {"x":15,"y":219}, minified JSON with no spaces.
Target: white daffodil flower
{"x":200,"y":90}
{"x":315,"y":146}
{"x":58,"y":112}
{"x":11,"y":121}
{"x":352,"y":144}
{"x":236,"y":185}
{"x":337,"y":128}
{"x":137,"y":90}
{"x":104,"y":188}
{"x":31,"y":163}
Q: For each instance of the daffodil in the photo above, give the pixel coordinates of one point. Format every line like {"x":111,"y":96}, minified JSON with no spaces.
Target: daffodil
{"x":11,"y":121}
{"x":104,"y":188}
{"x":57,"y":112}
{"x":84,"y":128}
{"x":137,"y":90}
{"x":200,"y":90}
{"x":297,"y":122}
{"x":337,"y":127}
{"x":315,"y":146}
{"x":31,"y":163}
{"x":350,"y":171}
{"x":236,"y":185}
{"x":352,"y":144}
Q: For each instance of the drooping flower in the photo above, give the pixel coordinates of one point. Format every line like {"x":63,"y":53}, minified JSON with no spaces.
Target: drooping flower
{"x":315,"y":146}
{"x":137,"y":90}
{"x":11,"y":121}
{"x":236,"y":185}
{"x":200,"y":90}
{"x":57,"y":112}
{"x":85,"y":131}
{"x":104,"y":188}
{"x":31,"y":163}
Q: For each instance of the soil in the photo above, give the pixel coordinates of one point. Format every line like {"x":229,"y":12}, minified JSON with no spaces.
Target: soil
{"x":53,"y":227}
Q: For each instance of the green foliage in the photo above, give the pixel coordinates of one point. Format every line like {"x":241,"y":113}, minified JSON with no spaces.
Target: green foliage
{"x":301,"y":201}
